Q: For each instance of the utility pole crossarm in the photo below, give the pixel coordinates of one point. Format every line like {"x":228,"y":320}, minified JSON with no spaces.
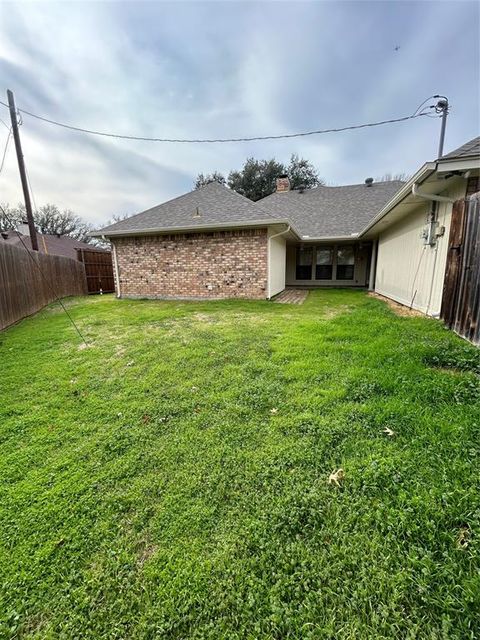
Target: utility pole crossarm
{"x":21,"y":168}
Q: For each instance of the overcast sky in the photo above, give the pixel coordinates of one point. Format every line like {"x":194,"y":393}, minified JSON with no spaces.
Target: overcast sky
{"x":227,"y":69}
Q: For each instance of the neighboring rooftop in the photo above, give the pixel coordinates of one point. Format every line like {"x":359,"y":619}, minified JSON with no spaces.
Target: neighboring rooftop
{"x":467,"y":150}
{"x":51,"y":244}
{"x":331,"y":211}
{"x":213,"y":205}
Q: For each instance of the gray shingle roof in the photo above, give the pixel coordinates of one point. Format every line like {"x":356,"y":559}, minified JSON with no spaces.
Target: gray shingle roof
{"x":216,"y":205}
{"x":319,"y":212}
{"x":52,"y":244}
{"x":331,"y":211}
{"x":467,"y":150}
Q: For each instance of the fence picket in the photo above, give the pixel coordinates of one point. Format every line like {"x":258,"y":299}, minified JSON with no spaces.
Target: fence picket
{"x":23,"y":290}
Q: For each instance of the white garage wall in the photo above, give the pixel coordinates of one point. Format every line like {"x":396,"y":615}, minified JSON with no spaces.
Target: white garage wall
{"x":276,"y":263}
{"x":409,"y":270}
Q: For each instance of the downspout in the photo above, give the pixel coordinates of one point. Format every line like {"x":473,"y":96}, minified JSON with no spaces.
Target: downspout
{"x":115,"y":266}
{"x":281,"y":233}
{"x":430,"y":196}
{"x":373,"y":266}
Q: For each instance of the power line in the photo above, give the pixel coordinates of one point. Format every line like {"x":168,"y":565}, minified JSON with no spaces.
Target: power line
{"x":31,"y":190}
{"x":5,"y":150}
{"x":220,"y":140}
{"x":12,"y":224}
{"x":9,"y":220}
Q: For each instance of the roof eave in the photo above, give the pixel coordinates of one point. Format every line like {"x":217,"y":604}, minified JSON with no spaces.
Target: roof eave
{"x":458,"y":164}
{"x":352,"y":236}
{"x":426,"y":170}
{"x":252,"y":224}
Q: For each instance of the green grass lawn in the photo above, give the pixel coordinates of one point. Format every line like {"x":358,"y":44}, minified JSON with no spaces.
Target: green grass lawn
{"x":171,"y":480}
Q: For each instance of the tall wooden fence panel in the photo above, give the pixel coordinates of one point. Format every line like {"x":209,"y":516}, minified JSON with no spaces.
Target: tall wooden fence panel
{"x":23,"y":289}
{"x":99,"y":270}
{"x":461,"y":292}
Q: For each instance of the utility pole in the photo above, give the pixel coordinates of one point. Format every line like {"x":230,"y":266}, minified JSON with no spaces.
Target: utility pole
{"x":442,"y":107}
{"x":21,"y":168}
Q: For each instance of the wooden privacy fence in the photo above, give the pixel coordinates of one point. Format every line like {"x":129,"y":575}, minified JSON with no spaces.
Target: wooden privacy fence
{"x":461,"y":290}
{"x":99,"y":270}
{"x":24,"y":291}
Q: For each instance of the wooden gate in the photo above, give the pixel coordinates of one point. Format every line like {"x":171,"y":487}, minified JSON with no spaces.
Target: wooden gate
{"x":99,"y":269}
{"x":461,"y":288}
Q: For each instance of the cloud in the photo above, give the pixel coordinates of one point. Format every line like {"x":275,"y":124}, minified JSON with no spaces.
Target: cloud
{"x":223,"y":70}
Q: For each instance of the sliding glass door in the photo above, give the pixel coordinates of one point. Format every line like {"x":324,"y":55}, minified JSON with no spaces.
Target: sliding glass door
{"x":324,"y":263}
{"x":304,"y":263}
{"x":345,"y":262}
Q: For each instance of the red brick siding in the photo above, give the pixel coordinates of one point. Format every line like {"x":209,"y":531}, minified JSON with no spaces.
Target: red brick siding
{"x":224,"y":264}
{"x":473,"y":185}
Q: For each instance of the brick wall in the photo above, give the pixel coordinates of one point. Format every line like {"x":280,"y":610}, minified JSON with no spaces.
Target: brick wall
{"x":224,"y":264}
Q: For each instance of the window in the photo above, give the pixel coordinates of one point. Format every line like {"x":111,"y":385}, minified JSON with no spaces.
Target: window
{"x":345,"y":262}
{"x":304,"y":263}
{"x":324,"y":263}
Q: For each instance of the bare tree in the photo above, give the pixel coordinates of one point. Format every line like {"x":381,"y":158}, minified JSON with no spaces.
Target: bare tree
{"x":10,"y":217}
{"x":392,"y":177}
{"x":48,"y":220}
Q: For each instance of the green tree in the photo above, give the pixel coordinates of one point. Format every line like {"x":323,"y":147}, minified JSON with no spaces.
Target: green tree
{"x":257,"y":178}
{"x":203,"y":179}
{"x":302,"y":173}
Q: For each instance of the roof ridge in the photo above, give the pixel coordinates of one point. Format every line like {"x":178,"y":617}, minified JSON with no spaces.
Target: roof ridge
{"x":334,"y":186}
{"x":209,"y":185}
{"x":180,"y":197}
{"x":240,"y":195}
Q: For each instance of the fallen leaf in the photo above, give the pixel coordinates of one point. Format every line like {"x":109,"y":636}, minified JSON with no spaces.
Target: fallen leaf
{"x":273,"y":411}
{"x":129,"y":364}
{"x":463,"y":538}
{"x":336,"y":477}
{"x":389,"y":432}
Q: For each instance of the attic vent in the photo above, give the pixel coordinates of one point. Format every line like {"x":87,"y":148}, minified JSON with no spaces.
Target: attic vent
{"x":301,"y":188}
{"x":4,"y":235}
{"x":197,"y":213}
{"x":369,"y":182}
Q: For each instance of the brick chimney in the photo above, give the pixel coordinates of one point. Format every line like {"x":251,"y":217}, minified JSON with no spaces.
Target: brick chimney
{"x":283,"y":184}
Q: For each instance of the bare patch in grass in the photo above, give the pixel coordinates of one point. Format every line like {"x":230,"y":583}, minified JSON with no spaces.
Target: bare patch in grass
{"x":333,"y":312}
{"x":146,"y":551}
{"x":397,"y":308}
{"x":34,"y":624}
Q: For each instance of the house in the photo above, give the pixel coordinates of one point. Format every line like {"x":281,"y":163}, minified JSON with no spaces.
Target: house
{"x":57,"y":244}
{"x":411,"y":233}
{"x":214,"y":243}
